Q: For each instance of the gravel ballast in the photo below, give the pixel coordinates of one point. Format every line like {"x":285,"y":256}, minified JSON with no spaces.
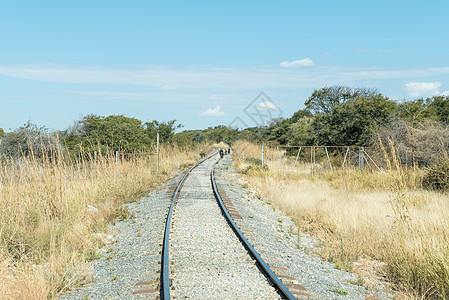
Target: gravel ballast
{"x":275,"y":238}
{"x":132,"y":255}
{"x":207,"y":261}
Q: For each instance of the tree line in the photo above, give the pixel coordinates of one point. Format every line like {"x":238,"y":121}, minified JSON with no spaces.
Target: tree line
{"x":334,"y":116}
{"x":91,"y":133}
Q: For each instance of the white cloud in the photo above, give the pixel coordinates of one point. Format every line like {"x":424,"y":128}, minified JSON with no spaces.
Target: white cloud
{"x":211,"y":77}
{"x":213,"y":112}
{"x":445,"y":93}
{"x":268,"y":105}
{"x":306,"y":62}
{"x":422,"y":89}
{"x":168,"y":87}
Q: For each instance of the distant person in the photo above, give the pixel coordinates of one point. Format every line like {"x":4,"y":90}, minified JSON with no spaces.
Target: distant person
{"x":221,"y":153}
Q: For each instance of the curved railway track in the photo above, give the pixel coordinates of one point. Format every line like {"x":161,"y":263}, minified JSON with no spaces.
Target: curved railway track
{"x":165,"y":284}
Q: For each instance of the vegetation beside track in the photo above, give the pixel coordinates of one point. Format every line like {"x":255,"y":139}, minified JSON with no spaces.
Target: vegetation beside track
{"x":55,"y":213}
{"x":384,"y":217}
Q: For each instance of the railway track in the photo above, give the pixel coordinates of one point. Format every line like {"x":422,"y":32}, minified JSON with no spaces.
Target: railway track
{"x":197,"y":210}
{"x":205,"y":258}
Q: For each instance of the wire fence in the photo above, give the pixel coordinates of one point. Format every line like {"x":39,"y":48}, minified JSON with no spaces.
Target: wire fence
{"x":81,"y":164}
{"x":318,"y":159}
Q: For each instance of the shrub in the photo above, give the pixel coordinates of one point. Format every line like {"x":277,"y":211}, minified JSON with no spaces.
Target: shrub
{"x":420,"y":144}
{"x":30,"y":140}
{"x":437,"y":176}
{"x":253,"y":161}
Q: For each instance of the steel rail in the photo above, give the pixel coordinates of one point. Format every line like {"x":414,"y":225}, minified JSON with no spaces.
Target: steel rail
{"x":271,"y":275}
{"x":165,"y":270}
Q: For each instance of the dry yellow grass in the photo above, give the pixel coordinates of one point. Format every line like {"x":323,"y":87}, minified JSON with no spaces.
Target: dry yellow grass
{"x":221,"y":145}
{"x":381,"y":216}
{"x":47,"y":229}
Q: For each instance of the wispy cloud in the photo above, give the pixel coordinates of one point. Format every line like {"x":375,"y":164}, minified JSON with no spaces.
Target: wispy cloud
{"x":423,"y":89}
{"x":268,"y":105}
{"x":207,"y":77}
{"x":306,"y":62}
{"x":213,"y":112}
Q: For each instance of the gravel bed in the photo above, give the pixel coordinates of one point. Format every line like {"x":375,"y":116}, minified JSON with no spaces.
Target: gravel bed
{"x":207,"y":259}
{"x":276,"y":241}
{"x":133,"y":252}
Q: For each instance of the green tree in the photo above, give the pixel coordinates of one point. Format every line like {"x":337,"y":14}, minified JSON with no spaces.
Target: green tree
{"x":252,"y":134}
{"x":115,"y":132}
{"x":325,"y":100}
{"x":166,"y":130}
{"x":351,"y":123}
{"x":221,"y":133}
{"x":299,"y":115}
{"x":421,"y":110}
{"x":2,"y":132}
{"x":439,"y":107}
{"x":414,"y":111}
{"x":301,"y":132}
{"x":279,"y":130}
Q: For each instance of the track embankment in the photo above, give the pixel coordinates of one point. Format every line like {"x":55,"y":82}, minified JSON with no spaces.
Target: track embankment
{"x":206,"y":258}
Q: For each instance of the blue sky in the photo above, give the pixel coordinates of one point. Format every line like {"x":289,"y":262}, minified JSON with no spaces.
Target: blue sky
{"x":202,"y":63}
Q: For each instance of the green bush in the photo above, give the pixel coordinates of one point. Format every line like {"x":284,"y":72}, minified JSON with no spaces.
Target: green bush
{"x":254,"y":161}
{"x":437,"y":176}
{"x":251,"y":170}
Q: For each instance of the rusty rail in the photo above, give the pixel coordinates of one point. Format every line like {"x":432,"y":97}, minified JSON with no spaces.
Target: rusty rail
{"x":269,"y":273}
{"x":165,"y":267}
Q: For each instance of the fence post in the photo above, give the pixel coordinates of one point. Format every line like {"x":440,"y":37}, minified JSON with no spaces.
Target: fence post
{"x":362,"y":159}
{"x":263,"y":156}
{"x":157,"y":151}
{"x":79,"y":164}
{"x":346,"y":155}
{"x":328,"y":159}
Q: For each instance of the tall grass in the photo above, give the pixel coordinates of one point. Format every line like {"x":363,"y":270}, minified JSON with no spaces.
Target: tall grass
{"x":381,"y":216}
{"x":55,"y":210}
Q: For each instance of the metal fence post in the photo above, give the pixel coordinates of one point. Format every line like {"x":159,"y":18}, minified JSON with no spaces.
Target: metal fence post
{"x":157,"y":151}
{"x":263,"y":156}
{"x":328,"y":159}
{"x":362,"y":159}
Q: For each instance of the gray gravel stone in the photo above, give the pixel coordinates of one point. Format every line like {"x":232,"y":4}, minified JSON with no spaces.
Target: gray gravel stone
{"x":276,"y":241}
{"x":133,"y":254}
{"x":208,"y":260}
